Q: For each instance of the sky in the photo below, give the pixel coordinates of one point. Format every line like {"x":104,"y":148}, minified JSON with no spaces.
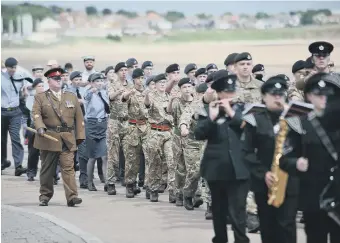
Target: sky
{"x":193,"y":7}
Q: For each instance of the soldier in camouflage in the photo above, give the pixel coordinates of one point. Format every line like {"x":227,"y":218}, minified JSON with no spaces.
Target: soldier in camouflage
{"x":299,"y":72}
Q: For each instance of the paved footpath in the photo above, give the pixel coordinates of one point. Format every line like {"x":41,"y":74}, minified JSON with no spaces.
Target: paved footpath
{"x":100,"y":218}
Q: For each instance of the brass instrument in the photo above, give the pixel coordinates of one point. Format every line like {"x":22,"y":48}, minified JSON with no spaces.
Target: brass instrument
{"x":277,"y":191}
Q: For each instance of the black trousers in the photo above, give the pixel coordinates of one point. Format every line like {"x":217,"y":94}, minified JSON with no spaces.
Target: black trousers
{"x":33,"y":156}
{"x":229,"y":198}
{"x":141,"y":173}
{"x":318,"y":226}
{"x":277,"y":224}
{"x":121,"y":164}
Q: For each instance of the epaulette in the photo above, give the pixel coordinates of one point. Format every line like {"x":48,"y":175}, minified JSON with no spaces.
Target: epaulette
{"x":295,"y":124}
{"x":250,"y":118}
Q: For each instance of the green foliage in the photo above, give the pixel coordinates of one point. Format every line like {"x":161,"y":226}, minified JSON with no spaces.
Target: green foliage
{"x":106,"y":11}
{"x":203,"y":16}
{"x":174,"y":16}
{"x":127,"y":14}
{"x":262,"y":15}
{"x":91,"y":10}
{"x":56,"y":10}
{"x":307,"y":17}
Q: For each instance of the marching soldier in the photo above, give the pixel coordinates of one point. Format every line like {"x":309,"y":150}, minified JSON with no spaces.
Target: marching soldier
{"x":131,"y":64}
{"x":147,"y":67}
{"x":211,"y":68}
{"x":299,"y":72}
{"x":201,"y":75}
{"x":173,"y":77}
{"x":190,"y":71}
{"x":57,"y":113}
{"x":259,"y":72}
{"x":229,"y":62}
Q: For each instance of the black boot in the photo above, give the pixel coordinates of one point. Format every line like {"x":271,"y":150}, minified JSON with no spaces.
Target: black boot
{"x":111,"y":189}
{"x":172,"y":196}
{"x":105,"y":188}
{"x":91,"y":187}
{"x":198,"y":201}
{"x":20,"y":170}
{"x":43,"y":203}
{"x":74,"y":201}
{"x":154,"y":196}
{"x":179,"y":199}
{"x":5,"y":164}
{"x":147,"y":193}
{"x":130,"y":191}
{"x":188,"y":203}
{"x":253,"y":223}
{"x":162,"y":188}
{"x":141,"y":183}
{"x":208,"y":213}
{"x":136,"y":189}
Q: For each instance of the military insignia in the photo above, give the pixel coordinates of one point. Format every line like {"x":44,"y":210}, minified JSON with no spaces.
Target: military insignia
{"x":262,"y":68}
{"x":135,"y":62}
{"x":214,"y":67}
{"x":248,"y":57}
{"x":178,"y":67}
{"x":286,"y":78}
{"x":322,"y":84}
{"x":230,"y":81}
{"x":151,"y":64}
{"x":278,"y":86}
{"x":69,"y":104}
{"x":195,"y":67}
{"x":57,"y":73}
{"x":321,"y":48}
{"x":36,"y":116}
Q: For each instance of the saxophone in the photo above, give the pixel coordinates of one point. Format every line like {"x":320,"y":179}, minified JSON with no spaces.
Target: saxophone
{"x":277,"y":191}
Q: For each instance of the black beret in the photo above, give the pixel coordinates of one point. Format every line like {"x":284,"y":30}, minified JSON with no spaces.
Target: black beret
{"x":37,"y":67}
{"x":223,"y":81}
{"x":108,"y":69}
{"x":75,"y":74}
{"x":159,"y":77}
{"x":210,"y":78}
{"x":320,"y":47}
{"x":200,"y":71}
{"x":202,"y":88}
{"x":54,"y":72}
{"x":93,"y":77}
{"x":149,"y":80}
{"x":242,"y":56}
{"x":257,"y":68}
{"x":138,"y":72}
{"x":184,"y":81}
{"x":147,"y":64}
{"x":211,"y":66}
{"x":68,"y":65}
{"x":320,"y":84}
{"x":119,"y":66}
{"x":230,"y":59}
{"x":309,"y":63}
{"x":131,"y":61}
{"x":88,"y":58}
{"x":298,"y":65}
{"x":172,"y":68}
{"x":36,"y":82}
{"x":189,"y":68}
{"x":11,"y":62}
{"x":275,"y":85}
{"x":283,"y":76}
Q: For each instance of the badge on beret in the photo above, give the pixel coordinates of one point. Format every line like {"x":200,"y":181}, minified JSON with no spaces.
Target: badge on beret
{"x":278,"y":86}
{"x":262,"y":68}
{"x":178,"y":67}
{"x":135,"y":62}
{"x":195,"y":67}
{"x":151,"y":64}
{"x":230,"y":81}
{"x":248,"y":57}
{"x":321,"y":83}
{"x":286,"y":78}
{"x":321,"y":48}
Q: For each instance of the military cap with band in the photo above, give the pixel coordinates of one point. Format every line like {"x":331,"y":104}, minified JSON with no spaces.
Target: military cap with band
{"x":37,"y":68}
{"x":200,"y":71}
{"x":190,"y":67}
{"x":172,"y":68}
{"x":159,"y":77}
{"x":184,"y":81}
{"x":54,"y":72}
{"x":201,"y":88}
{"x":276,"y":85}
{"x":75,"y":74}
{"x":211,"y":66}
{"x":230,"y":59}
{"x":36,"y":82}
{"x":11,"y":62}
{"x":244,"y":56}
{"x":210,"y":78}
{"x":88,"y":58}
{"x":257,"y":68}
{"x":320,"y":84}
{"x":130,"y":62}
{"x":138,"y":72}
{"x":298,"y":65}
{"x":320,"y":47}
{"x":119,"y":66}
{"x":147,"y":64}
{"x":96,"y":76}
{"x":223,"y":81}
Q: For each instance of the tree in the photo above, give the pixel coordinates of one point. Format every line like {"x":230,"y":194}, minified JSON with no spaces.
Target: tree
{"x":203,"y":16}
{"x":69,"y":10}
{"x":227,"y":14}
{"x":56,"y":10}
{"x":91,"y":10}
{"x":127,"y":14}
{"x":174,"y":16}
{"x":307,"y":17}
{"x":261,"y":15}
{"x":326,"y":12}
{"x":106,"y":11}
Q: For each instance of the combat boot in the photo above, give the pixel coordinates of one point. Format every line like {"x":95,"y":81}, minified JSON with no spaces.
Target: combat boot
{"x":74,"y":201}
{"x":162,"y":188}
{"x":111,"y":189}
{"x":188,"y":203}
{"x":179,"y":199}
{"x":19,"y":170}
{"x":140,"y":183}
{"x":208,"y":213}
{"x":91,"y":187}
{"x":5,"y":164}
{"x":198,"y":201}
{"x":147,"y":193}
{"x":130,"y":191}
{"x":136,"y":189}
{"x":172,"y":196}
{"x":154,"y":196}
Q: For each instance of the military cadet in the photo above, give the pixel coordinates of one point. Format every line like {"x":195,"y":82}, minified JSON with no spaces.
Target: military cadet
{"x":117,"y":128}
{"x":190,"y":71}
{"x":58,"y":114}
{"x":131,"y":64}
{"x":261,"y":129}
{"x":317,"y":157}
{"x":173,"y":77}
{"x":222,"y":165}
{"x":69,"y":67}
{"x":135,"y":140}
{"x":200,"y":90}
{"x":38,"y":71}
{"x":259,"y":72}
{"x":89,"y":62}
{"x":96,"y":103}
{"x":211,"y":68}
{"x":320,"y":51}
{"x":229,"y":62}
{"x":11,"y":85}
{"x":149,"y":83}
{"x":147,"y":67}
{"x":210,"y":94}
{"x":299,"y":72}
{"x":159,"y":146}
{"x":200,"y":75}
{"x":65,"y":79}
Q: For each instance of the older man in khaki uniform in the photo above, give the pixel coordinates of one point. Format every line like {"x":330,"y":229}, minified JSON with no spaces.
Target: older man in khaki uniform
{"x":58,"y":114}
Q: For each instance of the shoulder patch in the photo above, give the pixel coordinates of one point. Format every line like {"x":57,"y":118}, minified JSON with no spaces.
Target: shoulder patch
{"x":295,"y":124}
{"x":250,"y":118}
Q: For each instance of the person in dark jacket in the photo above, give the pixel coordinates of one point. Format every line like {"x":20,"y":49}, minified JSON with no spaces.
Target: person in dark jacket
{"x":277,"y":224}
{"x":221,"y":165}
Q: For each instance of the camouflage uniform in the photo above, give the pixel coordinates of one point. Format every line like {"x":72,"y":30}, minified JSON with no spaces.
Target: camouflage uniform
{"x":294,"y":93}
{"x":159,"y":144}
{"x":117,"y":129}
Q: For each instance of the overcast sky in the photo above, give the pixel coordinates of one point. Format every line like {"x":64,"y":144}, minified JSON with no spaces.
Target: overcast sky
{"x":193,"y":7}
